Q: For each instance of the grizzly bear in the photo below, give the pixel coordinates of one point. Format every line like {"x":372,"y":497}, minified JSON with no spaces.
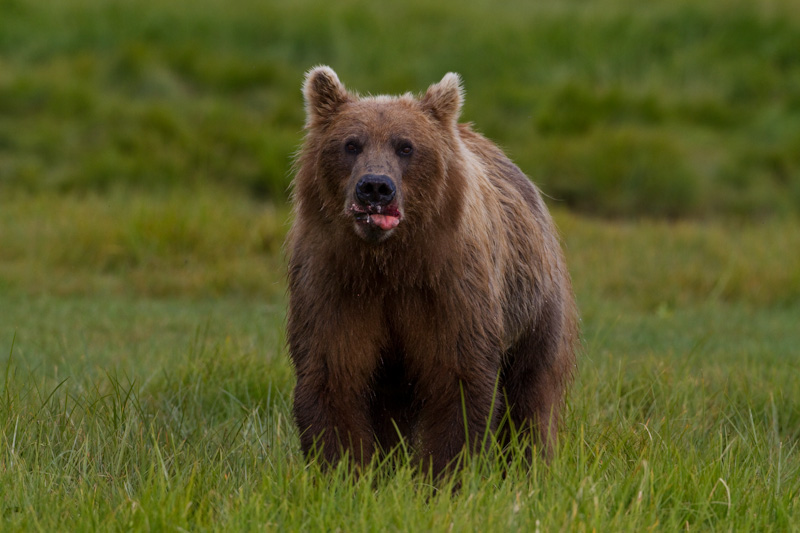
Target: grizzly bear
{"x":429,"y":298}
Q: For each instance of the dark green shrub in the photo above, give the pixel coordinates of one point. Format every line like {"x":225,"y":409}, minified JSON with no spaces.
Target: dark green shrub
{"x":627,"y":172}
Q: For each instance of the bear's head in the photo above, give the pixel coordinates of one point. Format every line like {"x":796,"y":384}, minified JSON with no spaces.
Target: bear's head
{"x":378,"y":164}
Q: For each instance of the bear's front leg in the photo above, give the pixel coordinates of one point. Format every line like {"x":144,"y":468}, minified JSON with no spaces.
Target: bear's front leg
{"x":335,"y":346}
{"x":459,"y":402}
{"x":459,"y":412}
{"x":333,"y":419}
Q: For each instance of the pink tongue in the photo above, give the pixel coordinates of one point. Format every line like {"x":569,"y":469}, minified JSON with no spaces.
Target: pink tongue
{"x":385,"y":222}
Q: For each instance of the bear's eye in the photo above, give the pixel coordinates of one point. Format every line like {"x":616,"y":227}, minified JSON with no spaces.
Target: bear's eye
{"x":352,"y":147}
{"x":405,"y":149}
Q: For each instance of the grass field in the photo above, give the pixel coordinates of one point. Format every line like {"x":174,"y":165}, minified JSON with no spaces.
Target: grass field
{"x":144,"y":158}
{"x":145,"y":383}
{"x":674,"y":108}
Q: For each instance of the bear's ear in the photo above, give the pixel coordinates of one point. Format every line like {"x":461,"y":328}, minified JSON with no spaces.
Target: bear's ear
{"x":443,"y":100}
{"x":324,"y":93}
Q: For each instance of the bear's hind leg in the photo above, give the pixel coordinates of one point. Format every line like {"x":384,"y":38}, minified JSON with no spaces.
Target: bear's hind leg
{"x":534,"y":379}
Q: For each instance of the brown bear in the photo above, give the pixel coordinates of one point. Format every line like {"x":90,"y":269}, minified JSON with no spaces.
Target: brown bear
{"x":428,"y":293}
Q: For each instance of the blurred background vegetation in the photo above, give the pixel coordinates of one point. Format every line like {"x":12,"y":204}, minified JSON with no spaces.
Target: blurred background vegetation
{"x":672,"y":108}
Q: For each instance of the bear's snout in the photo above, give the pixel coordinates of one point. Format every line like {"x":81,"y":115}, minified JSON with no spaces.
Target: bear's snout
{"x":375,"y":190}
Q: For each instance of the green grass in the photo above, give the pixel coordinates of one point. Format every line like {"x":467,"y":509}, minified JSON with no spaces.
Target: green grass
{"x":669,"y":109}
{"x":140,"y":402}
{"x":144,"y":160}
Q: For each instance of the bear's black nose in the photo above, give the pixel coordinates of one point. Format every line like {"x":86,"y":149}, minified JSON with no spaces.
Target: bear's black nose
{"x":375,"y":190}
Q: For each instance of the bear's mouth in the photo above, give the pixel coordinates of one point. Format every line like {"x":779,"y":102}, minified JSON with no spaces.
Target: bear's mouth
{"x":383,"y":217}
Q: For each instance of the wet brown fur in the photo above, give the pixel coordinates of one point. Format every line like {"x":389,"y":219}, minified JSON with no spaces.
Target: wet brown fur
{"x":462,"y":311}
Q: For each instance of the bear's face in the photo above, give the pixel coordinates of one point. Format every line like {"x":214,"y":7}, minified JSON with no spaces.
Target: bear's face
{"x":381,"y":160}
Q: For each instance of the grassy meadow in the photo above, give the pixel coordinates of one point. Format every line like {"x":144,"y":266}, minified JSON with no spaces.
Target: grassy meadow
{"x":677,"y":108}
{"x":145,"y":383}
{"x":145,"y":153}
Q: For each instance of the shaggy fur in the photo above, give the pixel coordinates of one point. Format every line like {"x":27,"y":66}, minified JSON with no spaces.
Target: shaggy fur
{"x":462,"y":310}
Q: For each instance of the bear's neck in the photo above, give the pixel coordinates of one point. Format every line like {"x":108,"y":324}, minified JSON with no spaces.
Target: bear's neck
{"x":419,"y":261}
